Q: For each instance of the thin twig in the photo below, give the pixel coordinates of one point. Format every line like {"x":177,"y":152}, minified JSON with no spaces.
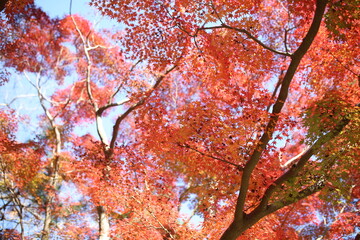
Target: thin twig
{"x":153,"y":215}
{"x":238,"y":167}
{"x":247,"y":33}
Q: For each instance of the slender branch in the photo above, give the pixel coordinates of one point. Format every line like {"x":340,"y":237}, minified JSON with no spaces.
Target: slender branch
{"x":96,"y":46}
{"x":285,"y":41}
{"x":126,"y":77}
{"x":223,"y":25}
{"x":55,"y":161}
{"x":210,"y":156}
{"x":16,"y":98}
{"x":107,"y":106}
{"x":64,"y":106}
{"x":156,"y":219}
{"x":216,"y":13}
{"x":343,"y":65}
{"x":135,"y":106}
{"x":252,"y":37}
{"x":89,"y":63}
{"x":278,"y":84}
{"x":111,"y":104}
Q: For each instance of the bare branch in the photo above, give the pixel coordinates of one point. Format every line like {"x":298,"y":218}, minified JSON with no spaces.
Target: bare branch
{"x":89,"y":63}
{"x":293,"y":159}
{"x":285,"y":41}
{"x":97,"y":46}
{"x":16,"y":98}
{"x":107,"y":106}
{"x":55,"y":161}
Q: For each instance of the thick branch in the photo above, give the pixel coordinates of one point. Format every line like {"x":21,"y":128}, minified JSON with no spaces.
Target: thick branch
{"x":233,"y":231}
{"x":104,"y":226}
{"x":2,"y":4}
{"x":100,"y":111}
{"x":252,"y":219}
{"x":300,"y":195}
{"x":295,"y":169}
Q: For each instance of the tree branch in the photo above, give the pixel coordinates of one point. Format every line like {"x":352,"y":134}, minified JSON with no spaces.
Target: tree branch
{"x":120,"y":85}
{"x":300,"y":195}
{"x":235,"y":229}
{"x":89,"y":63}
{"x":295,"y":169}
{"x":100,"y":111}
{"x":293,"y":159}
{"x":238,"y":167}
{"x":252,"y":37}
{"x":3,"y":4}
{"x":135,"y":106}
{"x":252,"y":219}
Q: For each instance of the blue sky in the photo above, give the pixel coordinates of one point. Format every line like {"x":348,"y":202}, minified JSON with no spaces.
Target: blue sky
{"x":19,"y":92}
{"x":61,"y":8}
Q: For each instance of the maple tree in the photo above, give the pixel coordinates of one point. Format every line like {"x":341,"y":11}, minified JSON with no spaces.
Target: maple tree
{"x":248,"y":111}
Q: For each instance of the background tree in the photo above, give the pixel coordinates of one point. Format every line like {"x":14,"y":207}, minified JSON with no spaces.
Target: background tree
{"x":103,"y":78}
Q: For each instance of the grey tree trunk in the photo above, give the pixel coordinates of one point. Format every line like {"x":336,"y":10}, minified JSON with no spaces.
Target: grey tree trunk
{"x":104,"y":225}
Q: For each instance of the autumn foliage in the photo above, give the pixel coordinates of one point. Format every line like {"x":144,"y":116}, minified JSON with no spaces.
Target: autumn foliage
{"x":196,"y":120}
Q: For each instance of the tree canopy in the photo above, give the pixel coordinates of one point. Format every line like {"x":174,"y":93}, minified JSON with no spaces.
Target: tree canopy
{"x":192,"y":120}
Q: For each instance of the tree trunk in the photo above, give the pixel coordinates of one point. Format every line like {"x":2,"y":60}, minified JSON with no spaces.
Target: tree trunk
{"x":104,"y":224}
{"x":54,"y":170}
{"x":47,"y":221}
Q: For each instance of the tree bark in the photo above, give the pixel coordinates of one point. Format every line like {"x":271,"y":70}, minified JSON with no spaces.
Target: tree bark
{"x":2,"y":4}
{"x":104,"y":225}
{"x":47,"y":221}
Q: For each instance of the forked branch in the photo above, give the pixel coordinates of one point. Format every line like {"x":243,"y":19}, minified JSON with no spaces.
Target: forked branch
{"x":236,"y":228}
{"x":296,"y":168}
{"x":136,"y":105}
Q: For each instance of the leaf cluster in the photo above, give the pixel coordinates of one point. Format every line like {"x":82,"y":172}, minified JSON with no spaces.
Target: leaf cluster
{"x":342,"y":15}
{"x":324,"y":115}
